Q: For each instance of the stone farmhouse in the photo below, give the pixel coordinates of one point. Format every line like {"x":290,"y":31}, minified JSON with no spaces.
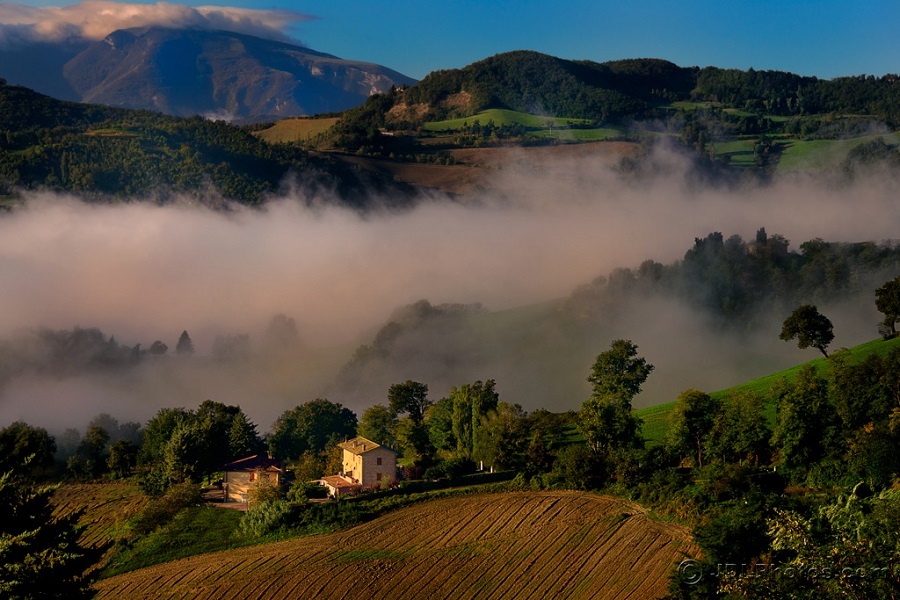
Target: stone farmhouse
{"x":365,"y":464}
{"x":242,"y":474}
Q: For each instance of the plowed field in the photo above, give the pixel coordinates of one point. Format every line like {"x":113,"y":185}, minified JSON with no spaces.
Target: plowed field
{"x":104,"y":506}
{"x":512,"y":545}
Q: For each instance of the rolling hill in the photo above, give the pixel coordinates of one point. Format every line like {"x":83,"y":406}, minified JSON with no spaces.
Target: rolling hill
{"x":521,"y":544}
{"x":102,"y":152}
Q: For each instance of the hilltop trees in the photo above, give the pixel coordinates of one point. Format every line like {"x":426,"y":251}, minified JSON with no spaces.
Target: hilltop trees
{"x":887,"y":301}
{"x":606,"y":420}
{"x":809,"y":327}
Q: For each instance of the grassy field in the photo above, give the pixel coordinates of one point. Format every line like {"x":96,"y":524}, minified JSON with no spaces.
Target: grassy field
{"x":816,"y":155}
{"x":500,"y":117}
{"x":656,"y":418}
{"x":500,"y":545}
{"x":583,"y":135}
{"x":296,"y":130}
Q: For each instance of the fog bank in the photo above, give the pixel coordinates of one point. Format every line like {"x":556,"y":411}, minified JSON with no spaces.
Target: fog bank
{"x":144,"y":272}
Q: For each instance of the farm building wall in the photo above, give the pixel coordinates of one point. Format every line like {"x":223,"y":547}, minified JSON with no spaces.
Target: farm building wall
{"x":372,"y":467}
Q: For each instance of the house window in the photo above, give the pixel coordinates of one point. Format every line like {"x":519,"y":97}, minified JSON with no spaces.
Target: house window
{"x":378,"y":475}
{"x":253,"y":476}
{"x":378,"y":461}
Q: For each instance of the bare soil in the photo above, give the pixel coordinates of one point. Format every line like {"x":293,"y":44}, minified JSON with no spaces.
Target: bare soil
{"x":510,"y":545}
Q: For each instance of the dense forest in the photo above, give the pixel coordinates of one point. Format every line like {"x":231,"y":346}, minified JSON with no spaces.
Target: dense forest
{"x":701,"y":105}
{"x":102,"y":153}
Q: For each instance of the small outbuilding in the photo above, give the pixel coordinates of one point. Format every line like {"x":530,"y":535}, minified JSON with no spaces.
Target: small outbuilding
{"x":242,"y":474}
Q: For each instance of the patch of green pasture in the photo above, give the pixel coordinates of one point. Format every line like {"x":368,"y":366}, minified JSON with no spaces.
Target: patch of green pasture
{"x":817,"y":155}
{"x":740,"y":151}
{"x":500,"y":117}
{"x":583,"y":135}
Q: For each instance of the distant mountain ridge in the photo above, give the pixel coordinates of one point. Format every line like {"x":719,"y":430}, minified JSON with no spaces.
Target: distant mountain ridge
{"x":187,"y":72}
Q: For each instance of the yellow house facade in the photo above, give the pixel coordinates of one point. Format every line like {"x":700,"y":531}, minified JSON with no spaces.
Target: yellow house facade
{"x":364,"y":464}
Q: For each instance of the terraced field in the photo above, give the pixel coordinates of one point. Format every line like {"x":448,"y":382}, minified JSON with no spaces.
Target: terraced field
{"x":105,"y":507}
{"x":511,"y":545}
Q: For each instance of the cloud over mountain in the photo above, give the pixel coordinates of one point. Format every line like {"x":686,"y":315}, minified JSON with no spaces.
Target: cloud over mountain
{"x":94,"y":19}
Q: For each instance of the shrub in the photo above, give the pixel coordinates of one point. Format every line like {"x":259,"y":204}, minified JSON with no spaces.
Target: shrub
{"x":163,"y":509}
{"x":263,"y":491}
{"x":265,"y":517}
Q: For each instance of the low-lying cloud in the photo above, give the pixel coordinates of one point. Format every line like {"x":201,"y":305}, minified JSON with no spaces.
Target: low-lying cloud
{"x":95,"y":19}
{"x":145,"y":272}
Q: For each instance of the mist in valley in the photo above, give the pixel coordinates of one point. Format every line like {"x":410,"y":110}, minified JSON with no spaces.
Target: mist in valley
{"x":495,"y":271}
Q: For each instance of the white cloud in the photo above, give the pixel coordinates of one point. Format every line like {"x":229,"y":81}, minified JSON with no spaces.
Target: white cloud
{"x":95,"y":19}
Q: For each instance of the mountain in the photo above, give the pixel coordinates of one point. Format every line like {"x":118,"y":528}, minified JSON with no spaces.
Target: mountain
{"x":189,"y":72}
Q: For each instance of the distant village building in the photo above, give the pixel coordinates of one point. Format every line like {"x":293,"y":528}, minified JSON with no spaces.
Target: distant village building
{"x":365,"y":464}
{"x":245,"y":473}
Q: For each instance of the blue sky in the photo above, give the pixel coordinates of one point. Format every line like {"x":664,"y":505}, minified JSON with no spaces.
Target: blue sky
{"x":825,"y":38}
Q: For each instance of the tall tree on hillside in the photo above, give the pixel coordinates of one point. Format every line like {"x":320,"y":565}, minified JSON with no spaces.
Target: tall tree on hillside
{"x":806,"y":424}
{"x":740,"y":431}
{"x":410,"y":397}
{"x":887,"y":301}
{"x":692,"y":422}
{"x":809,"y":327}
{"x":470,"y":404}
{"x":606,"y":419}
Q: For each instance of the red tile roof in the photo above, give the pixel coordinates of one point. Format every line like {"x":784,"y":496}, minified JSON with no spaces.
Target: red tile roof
{"x":257,"y":462}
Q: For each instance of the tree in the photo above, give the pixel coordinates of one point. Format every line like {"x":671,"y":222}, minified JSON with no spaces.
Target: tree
{"x":691,"y":422}
{"x":619,"y":371}
{"x":502,"y":440}
{"x":122,"y":458}
{"x":470,"y":404}
{"x":93,"y":449}
{"x":887,"y":301}
{"x":740,"y":431}
{"x":410,"y":397}
{"x":377,"y":424}
{"x":184,"y":346}
{"x":310,"y":426}
{"x":809,"y":327}
{"x":40,"y":556}
{"x":22,"y":444}
{"x":805,"y":421}
{"x":606,"y":419}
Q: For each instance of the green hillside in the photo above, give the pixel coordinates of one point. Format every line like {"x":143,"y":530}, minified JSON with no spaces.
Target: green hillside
{"x":102,"y":152}
{"x":761,"y":121}
{"x":656,"y":418}
{"x":500,"y":117}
